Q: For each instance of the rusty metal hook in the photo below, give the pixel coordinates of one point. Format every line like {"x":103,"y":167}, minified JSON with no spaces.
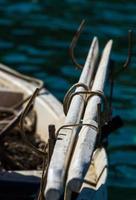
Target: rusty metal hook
{"x":22,"y":118}
{"x":125,"y":66}
{"x":129,"y":56}
{"x":128,"y":60}
{"x":73,"y":45}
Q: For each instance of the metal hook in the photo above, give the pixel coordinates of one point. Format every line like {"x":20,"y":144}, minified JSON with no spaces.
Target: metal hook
{"x":125,"y":66}
{"x":128,"y":60}
{"x":73,"y":44}
{"x":99,"y":123}
{"x":22,"y":118}
{"x":99,"y":117}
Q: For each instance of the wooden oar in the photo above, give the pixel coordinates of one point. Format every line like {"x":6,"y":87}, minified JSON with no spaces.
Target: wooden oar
{"x":87,"y":136}
{"x":67,"y":136}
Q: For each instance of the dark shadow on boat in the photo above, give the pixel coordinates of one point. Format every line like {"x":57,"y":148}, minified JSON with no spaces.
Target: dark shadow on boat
{"x":16,"y":186}
{"x":97,"y":194}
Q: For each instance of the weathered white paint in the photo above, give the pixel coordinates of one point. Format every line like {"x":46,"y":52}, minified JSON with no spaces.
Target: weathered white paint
{"x":94,"y":187}
{"x":87,"y":136}
{"x":66,"y":139}
{"x":49,"y":109}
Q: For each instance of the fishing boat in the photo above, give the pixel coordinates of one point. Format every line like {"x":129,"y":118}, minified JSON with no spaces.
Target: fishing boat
{"x":15,"y":90}
{"x":75,"y":155}
{"x":73,"y":162}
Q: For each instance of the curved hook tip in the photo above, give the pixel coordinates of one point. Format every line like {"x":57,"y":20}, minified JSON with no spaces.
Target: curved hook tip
{"x":128,"y":60}
{"x":74,"y":42}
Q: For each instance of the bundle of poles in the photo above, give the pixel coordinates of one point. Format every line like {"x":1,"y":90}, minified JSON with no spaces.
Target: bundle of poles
{"x":76,"y":139}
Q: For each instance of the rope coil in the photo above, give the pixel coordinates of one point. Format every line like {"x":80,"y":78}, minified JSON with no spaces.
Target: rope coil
{"x":93,"y":125}
{"x":67,"y":98}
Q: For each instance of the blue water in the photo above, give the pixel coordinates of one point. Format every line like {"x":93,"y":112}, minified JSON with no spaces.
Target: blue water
{"x":34,"y":39}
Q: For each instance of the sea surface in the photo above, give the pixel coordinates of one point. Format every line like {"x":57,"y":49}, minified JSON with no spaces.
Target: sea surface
{"x":34,"y":39}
